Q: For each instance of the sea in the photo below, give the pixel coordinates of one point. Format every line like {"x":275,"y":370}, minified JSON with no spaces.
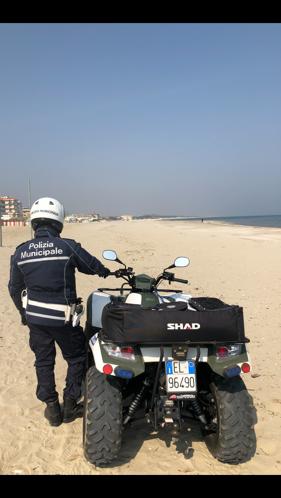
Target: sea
{"x":273,"y":220}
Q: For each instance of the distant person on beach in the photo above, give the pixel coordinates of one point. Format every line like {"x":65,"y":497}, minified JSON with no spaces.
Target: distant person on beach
{"x":42,"y":286}
{"x":202,"y":220}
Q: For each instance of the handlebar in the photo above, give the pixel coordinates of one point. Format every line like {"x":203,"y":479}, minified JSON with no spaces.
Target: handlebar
{"x":121,"y":272}
{"x":171,"y":278}
{"x":127,"y":272}
{"x":181,"y":280}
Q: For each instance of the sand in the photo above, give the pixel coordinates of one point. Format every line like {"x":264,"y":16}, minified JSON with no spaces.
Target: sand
{"x":241,"y":265}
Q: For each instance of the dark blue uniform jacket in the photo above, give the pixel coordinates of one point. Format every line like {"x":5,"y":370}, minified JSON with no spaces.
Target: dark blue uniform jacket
{"x":45,"y":266}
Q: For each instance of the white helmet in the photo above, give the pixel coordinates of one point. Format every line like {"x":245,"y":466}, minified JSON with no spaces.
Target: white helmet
{"x":47,"y":210}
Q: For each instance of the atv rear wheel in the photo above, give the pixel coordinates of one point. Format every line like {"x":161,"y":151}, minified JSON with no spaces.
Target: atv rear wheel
{"x":102,"y":422}
{"x":232,"y":437}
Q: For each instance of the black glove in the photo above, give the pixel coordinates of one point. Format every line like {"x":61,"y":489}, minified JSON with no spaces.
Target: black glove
{"x":106,"y":272}
{"x":23,"y":320}
{"x":118,"y":273}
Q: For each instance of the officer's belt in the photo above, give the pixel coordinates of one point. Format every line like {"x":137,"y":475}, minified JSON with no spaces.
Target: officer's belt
{"x":67,"y":309}
{"x":57,"y":307}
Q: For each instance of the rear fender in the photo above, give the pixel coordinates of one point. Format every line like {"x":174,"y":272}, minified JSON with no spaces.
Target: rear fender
{"x":150,"y":354}
{"x":219,"y":365}
{"x":101,"y":358}
{"x":207,"y":355}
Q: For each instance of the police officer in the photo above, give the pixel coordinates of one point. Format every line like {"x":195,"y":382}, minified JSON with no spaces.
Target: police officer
{"x":42,"y":286}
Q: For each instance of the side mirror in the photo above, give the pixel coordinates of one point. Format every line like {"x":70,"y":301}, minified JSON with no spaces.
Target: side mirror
{"x":110,"y":255}
{"x":181,"y":261}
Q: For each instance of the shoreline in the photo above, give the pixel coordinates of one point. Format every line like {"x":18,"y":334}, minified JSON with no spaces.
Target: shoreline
{"x":215,"y":222}
{"x":221,"y":223}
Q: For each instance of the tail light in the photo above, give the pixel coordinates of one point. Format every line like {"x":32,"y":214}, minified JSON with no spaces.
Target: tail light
{"x":127,"y":350}
{"x":232,"y":371}
{"x":246,"y":367}
{"x":228,"y":351}
{"x":107,"y":369}
{"x":124,"y":352}
{"x":124,"y":374}
{"x":222,"y":352}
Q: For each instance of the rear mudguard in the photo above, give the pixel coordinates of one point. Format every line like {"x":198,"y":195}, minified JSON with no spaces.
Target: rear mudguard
{"x":147,"y":354}
{"x":102,"y":358}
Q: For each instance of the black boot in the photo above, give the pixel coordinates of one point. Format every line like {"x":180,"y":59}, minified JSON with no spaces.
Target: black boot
{"x":53,"y":413}
{"x":71,"y":410}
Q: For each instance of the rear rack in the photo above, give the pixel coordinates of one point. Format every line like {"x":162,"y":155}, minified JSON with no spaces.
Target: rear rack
{"x":101,"y":289}
{"x":188,"y":343}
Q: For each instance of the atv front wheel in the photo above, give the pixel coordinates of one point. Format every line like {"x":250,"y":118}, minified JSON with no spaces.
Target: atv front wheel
{"x":102,"y":422}
{"x":231,"y":438}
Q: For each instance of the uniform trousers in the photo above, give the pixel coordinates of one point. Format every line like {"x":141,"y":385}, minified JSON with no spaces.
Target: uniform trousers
{"x":72,"y":342}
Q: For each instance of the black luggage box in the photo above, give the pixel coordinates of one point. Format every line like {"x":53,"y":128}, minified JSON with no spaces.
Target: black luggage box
{"x":212,"y":322}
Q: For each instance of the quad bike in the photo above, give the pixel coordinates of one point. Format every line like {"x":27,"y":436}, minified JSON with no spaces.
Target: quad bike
{"x":170,"y":357}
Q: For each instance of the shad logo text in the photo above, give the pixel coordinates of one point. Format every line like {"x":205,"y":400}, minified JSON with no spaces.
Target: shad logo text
{"x":183,"y":326}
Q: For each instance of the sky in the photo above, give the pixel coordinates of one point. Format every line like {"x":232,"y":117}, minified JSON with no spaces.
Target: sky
{"x":181,"y":119}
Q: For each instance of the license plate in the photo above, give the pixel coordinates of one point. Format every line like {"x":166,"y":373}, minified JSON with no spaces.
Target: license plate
{"x":180,"y":376}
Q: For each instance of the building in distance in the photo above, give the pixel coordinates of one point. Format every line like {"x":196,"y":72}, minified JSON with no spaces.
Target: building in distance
{"x":82,"y":218}
{"x":126,"y":217}
{"x":10,"y":208}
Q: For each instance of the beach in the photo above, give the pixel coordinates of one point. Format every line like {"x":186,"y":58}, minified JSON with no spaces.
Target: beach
{"x":238,"y":264}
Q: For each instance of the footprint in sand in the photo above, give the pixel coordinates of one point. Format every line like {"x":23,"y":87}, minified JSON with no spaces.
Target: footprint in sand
{"x":269,"y":447}
{"x":71,"y":452}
